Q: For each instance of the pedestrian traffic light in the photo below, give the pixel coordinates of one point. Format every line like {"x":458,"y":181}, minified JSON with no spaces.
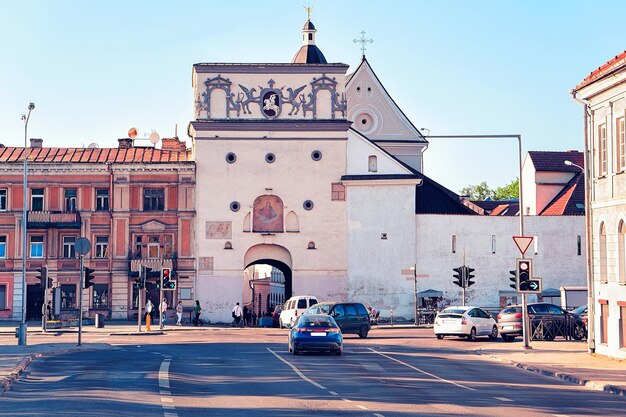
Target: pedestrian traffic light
{"x":88,"y":276}
{"x":513,"y":279}
{"x":524,"y":274}
{"x":469,"y":276}
{"x":458,"y":277}
{"x":43,"y":276}
{"x":166,"y":274}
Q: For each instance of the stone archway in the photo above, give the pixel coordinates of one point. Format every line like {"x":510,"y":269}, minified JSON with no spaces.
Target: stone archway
{"x":273,"y":255}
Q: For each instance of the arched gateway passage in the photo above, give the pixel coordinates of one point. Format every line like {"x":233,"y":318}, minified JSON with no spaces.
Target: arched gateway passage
{"x":267,"y":276}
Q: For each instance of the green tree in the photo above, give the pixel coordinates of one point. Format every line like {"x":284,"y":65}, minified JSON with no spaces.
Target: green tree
{"x":478,"y":192}
{"x":508,"y":192}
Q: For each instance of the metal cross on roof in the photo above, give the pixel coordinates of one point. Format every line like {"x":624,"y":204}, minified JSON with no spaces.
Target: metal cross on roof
{"x":363,"y":42}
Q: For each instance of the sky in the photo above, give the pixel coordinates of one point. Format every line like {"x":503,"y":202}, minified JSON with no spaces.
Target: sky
{"x":94,"y":69}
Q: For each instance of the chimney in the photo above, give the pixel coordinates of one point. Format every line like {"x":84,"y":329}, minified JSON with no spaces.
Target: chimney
{"x":173,"y":144}
{"x":125,"y":143}
{"x":36,"y":143}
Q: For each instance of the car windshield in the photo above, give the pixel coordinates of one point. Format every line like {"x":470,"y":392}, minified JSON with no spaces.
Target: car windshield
{"x":580,"y":310}
{"x":316,"y":322}
{"x":318,"y":309}
{"x":453,"y":311}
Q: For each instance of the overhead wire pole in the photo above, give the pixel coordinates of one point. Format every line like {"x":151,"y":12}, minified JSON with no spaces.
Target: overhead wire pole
{"x":521,"y":205}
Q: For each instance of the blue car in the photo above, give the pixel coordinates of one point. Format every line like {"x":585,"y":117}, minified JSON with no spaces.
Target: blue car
{"x":316,"y":333}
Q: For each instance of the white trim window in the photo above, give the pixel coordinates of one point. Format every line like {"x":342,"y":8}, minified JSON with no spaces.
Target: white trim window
{"x":102,"y":246}
{"x":102,"y":199}
{"x":70,"y":200}
{"x":3,"y":247}
{"x":36,"y":246}
{"x":621,"y":252}
{"x":36,"y":199}
{"x":3,"y":200}
{"x":69,"y":249}
{"x":620,"y":144}
{"x":153,"y":247}
{"x":603,"y":257}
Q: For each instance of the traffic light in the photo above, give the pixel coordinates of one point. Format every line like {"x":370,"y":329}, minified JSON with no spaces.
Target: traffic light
{"x":524,"y":274}
{"x":459,"y":276}
{"x":513,"y":279}
{"x":469,"y":276}
{"x":43,"y":276}
{"x":88,"y":276}
{"x":165,"y":278}
{"x":49,"y":280}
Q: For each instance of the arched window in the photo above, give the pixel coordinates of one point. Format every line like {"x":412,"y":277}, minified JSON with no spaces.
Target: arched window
{"x":372,"y":164}
{"x":292,"y":224}
{"x":246,"y":223}
{"x":603,"y":262}
{"x":621,"y":251}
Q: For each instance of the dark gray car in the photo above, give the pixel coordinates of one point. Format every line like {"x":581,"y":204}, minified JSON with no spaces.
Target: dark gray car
{"x":351,"y":317}
{"x":548,"y":321}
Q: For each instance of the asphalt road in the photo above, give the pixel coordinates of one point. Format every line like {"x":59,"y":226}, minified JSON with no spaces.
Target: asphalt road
{"x":250,"y":373}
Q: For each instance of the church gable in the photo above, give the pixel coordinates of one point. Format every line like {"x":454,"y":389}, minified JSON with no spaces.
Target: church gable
{"x":373,"y":111}
{"x":365,"y":157}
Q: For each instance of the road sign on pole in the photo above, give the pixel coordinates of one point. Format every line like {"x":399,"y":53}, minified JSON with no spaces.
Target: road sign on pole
{"x":523,"y":242}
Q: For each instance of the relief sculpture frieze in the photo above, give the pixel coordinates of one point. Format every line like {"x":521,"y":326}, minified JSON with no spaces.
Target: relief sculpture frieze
{"x":219,"y":230}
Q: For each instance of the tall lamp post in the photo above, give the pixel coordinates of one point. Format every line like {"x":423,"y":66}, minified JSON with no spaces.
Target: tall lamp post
{"x":22,"y":328}
{"x":591,"y":326}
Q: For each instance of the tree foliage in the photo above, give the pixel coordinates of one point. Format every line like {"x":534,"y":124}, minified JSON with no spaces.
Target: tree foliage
{"x":482,"y":191}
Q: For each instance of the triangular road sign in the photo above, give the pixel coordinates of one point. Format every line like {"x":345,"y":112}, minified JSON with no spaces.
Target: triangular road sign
{"x":523,"y":242}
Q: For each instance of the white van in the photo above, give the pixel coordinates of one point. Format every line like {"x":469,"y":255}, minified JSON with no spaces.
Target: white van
{"x":293,"y":308}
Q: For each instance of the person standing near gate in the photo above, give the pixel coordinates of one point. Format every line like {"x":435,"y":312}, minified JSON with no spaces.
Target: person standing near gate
{"x":163,"y":309}
{"x":237,"y":313}
{"x":179,"y":313}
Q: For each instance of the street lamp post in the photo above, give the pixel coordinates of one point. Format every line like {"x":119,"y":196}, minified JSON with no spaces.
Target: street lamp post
{"x":22,"y":328}
{"x":591,"y":327}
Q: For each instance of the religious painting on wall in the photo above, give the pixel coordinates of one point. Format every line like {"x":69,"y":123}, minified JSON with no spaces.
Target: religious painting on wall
{"x":268,"y":214}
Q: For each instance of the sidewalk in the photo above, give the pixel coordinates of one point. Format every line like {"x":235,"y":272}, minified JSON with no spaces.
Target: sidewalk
{"x":565,"y":360}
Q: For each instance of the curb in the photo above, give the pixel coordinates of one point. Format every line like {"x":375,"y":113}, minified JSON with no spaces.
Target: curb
{"x":15,"y":374}
{"x":563,"y":376}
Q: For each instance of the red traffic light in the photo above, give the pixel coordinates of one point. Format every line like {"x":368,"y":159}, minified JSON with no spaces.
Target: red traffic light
{"x":523,"y":266}
{"x":166,"y":272}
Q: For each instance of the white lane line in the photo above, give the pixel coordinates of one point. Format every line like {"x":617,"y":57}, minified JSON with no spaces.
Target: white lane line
{"x":297,"y":371}
{"x":422,"y":371}
{"x":165,"y":392}
{"x":362,"y":407}
{"x":503,"y":399}
{"x":164,"y":380}
{"x":347,"y":400}
{"x":378,"y":415}
{"x":166,"y":400}
{"x":332,"y":393}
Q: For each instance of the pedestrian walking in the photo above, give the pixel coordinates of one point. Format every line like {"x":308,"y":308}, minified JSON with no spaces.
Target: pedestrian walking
{"x":163,"y":310}
{"x":197,"y":309}
{"x":245,"y":316}
{"x":237,"y":313}
{"x":179,"y":313}
{"x":46,"y":311}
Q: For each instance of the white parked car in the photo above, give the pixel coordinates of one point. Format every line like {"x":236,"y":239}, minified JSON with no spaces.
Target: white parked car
{"x":293,"y":308}
{"x":465,"y":321}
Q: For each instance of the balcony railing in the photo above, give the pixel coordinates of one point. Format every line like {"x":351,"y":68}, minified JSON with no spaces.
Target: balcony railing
{"x":53,"y":219}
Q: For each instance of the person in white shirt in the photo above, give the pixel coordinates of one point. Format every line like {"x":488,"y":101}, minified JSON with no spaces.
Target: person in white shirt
{"x":179,"y":313}
{"x":237,"y":314}
{"x":163,"y":309}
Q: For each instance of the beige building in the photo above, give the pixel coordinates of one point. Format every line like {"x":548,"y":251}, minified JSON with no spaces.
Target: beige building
{"x":603,"y":96}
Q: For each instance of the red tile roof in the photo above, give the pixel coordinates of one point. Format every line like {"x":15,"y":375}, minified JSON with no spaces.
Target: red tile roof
{"x":507,"y":209}
{"x":570,"y":201}
{"x":555,"y":161}
{"x":93,"y":155}
{"x":619,"y":61}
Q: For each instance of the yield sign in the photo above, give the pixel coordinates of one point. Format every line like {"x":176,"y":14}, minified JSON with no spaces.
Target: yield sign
{"x":523,"y":242}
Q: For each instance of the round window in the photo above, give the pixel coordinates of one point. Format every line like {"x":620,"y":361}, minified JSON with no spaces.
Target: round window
{"x":231,"y":157}
{"x":308,"y":205}
{"x":270,"y":158}
{"x":365,"y":122}
{"x":316,"y":155}
{"x":235,"y":206}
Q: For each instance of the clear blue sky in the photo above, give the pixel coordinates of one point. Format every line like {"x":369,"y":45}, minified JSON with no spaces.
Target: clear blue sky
{"x":97,"y":68}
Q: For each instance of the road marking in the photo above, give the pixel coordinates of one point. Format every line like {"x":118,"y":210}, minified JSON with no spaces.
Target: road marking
{"x":503,"y":399}
{"x":422,"y":371}
{"x":362,"y":407}
{"x":296,"y":370}
{"x":164,"y":381}
{"x":378,"y":415}
{"x":332,"y":393}
{"x":347,"y":400}
{"x":373,"y":367}
{"x":166,"y":400}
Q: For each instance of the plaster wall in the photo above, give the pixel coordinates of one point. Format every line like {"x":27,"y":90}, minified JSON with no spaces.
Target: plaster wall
{"x":556,"y":260}
{"x":374,"y":262}
{"x":360,"y":150}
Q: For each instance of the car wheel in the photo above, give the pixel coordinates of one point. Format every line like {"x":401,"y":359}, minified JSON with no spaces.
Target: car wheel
{"x":472,"y":335}
{"x":294,"y":351}
{"x":439,"y":336}
{"x":578,"y":333}
{"x":338,"y":352}
{"x":363,"y":332}
{"x":494,"y":333}
{"x":508,"y":338}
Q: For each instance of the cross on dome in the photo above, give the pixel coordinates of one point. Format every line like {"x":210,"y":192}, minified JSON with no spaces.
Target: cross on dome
{"x":363,"y":42}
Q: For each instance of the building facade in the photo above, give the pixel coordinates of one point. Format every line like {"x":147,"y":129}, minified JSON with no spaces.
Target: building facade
{"x":603,"y":97}
{"x":135,"y":205}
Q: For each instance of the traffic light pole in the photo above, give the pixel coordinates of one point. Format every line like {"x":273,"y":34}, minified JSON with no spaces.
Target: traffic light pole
{"x":80,"y":301}
{"x":140,"y":301}
{"x":161,"y":299}
{"x":44,"y":310}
